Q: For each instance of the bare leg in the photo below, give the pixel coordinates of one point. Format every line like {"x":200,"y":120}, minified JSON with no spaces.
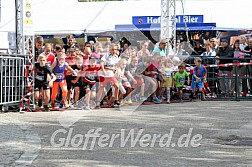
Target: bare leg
{"x":88,"y":94}
{"x":46,"y":96}
{"x":116,"y":86}
{"x":76,"y":94}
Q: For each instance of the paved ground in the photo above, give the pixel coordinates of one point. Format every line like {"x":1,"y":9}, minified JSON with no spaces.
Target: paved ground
{"x":211,"y":120}
{"x":19,"y":145}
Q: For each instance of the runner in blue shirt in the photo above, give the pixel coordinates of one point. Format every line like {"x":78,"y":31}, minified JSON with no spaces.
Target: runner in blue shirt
{"x":198,"y":77}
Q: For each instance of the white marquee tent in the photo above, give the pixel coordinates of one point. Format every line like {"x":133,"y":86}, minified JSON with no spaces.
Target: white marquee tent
{"x":70,"y":16}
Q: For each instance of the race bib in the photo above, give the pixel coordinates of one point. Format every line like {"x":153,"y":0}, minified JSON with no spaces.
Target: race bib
{"x":198,"y":80}
{"x":59,"y":76}
{"x":167,"y":74}
{"x":91,"y":76}
{"x":40,"y":78}
{"x":49,"y":63}
{"x":109,"y":62}
{"x":109,"y":65}
{"x":132,"y":70}
{"x":181,"y":80}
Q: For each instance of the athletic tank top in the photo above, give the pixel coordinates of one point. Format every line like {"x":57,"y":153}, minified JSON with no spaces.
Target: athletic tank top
{"x":59,"y":72}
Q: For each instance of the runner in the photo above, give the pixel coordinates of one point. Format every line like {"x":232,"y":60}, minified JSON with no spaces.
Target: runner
{"x":90,"y":78}
{"x":41,"y":71}
{"x":107,"y":75}
{"x":58,"y":68}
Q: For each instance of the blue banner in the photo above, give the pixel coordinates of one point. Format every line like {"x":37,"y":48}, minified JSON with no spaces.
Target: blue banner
{"x":156,"y":27}
{"x":137,"y":20}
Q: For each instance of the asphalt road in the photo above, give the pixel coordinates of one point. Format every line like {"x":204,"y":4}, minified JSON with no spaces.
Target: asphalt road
{"x":189,"y":134}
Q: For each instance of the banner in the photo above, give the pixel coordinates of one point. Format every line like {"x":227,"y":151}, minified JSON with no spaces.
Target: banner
{"x":0,"y":10}
{"x":27,"y":18}
{"x":136,"y":20}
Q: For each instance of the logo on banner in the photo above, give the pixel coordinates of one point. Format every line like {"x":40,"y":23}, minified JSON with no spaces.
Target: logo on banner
{"x":157,"y":19}
{"x":27,"y":16}
{"x":140,"y":20}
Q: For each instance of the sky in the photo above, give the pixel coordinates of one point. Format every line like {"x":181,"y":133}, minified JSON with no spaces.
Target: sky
{"x":74,"y":15}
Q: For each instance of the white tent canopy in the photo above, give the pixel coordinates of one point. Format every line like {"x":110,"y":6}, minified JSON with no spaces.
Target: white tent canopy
{"x":71,"y":16}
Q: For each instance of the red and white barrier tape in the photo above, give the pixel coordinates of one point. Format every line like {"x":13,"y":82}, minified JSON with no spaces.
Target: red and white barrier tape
{"x":228,"y":64}
{"x":233,"y":75}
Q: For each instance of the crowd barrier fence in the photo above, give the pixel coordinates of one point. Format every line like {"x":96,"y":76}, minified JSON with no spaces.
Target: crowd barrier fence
{"x":12,"y":80}
{"x":239,"y":79}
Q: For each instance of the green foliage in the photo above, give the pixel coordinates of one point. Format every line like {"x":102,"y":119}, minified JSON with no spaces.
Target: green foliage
{"x":97,"y":0}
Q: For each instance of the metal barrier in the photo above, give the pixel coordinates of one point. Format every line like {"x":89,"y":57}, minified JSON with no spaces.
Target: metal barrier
{"x":12,"y":79}
{"x":240,"y":78}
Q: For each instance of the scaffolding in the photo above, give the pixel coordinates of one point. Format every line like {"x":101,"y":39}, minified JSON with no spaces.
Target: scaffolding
{"x":23,"y":28}
{"x":168,"y":22}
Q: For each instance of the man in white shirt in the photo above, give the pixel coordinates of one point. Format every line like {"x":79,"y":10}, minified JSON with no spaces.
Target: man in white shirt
{"x":107,"y":75}
{"x":209,"y":51}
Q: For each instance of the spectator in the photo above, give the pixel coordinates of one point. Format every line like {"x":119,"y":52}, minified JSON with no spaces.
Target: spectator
{"x":71,"y":43}
{"x":161,"y":49}
{"x":208,"y":58}
{"x":87,"y":54}
{"x":125,"y":46}
{"x":87,"y":45}
{"x":118,"y":50}
{"x":97,"y":53}
{"x":77,"y":51}
{"x":92,"y":46}
{"x":38,"y":46}
{"x":209,"y":50}
{"x":57,"y":49}
{"x":243,"y":43}
{"x":198,"y":49}
{"x":237,"y":50}
{"x":247,"y":69}
{"x":106,"y":47}
{"x":180,"y":49}
{"x":237,"y":54}
{"x":215,"y":46}
{"x":248,"y":49}
{"x":225,"y":54}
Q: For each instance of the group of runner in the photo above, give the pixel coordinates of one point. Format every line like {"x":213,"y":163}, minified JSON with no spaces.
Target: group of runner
{"x":121,"y":74}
